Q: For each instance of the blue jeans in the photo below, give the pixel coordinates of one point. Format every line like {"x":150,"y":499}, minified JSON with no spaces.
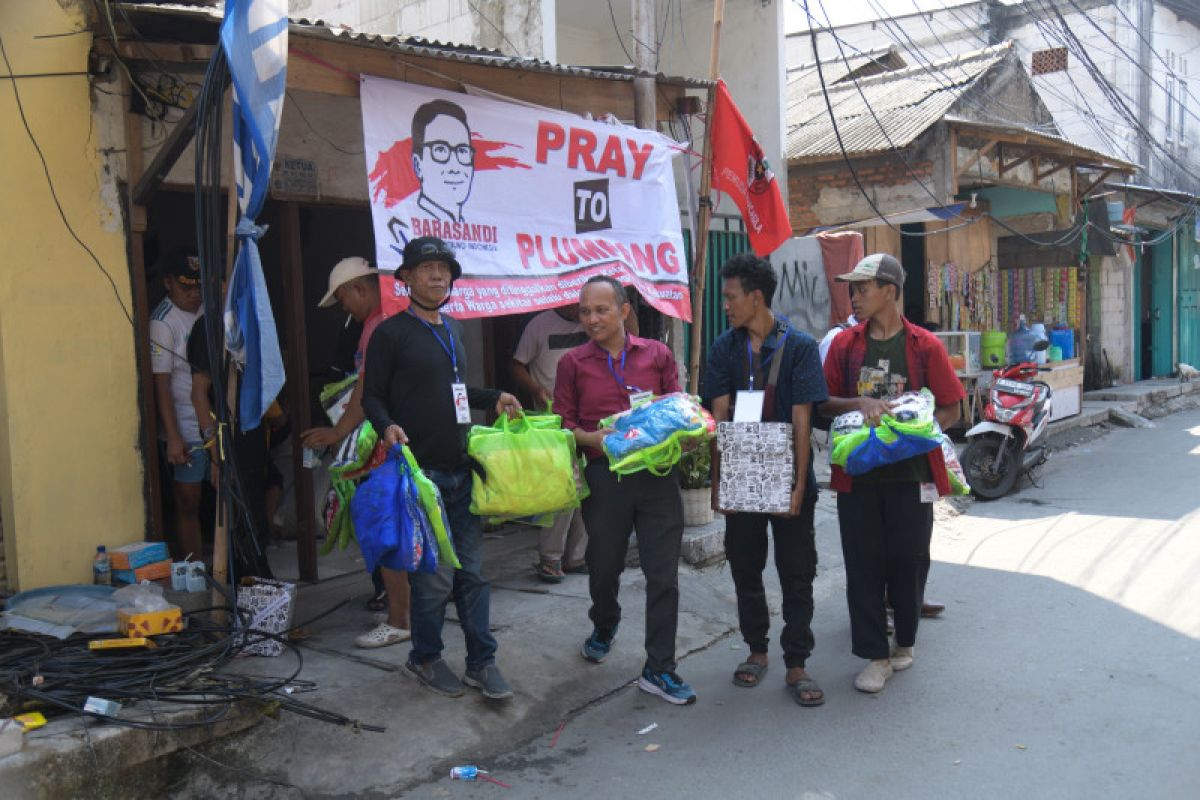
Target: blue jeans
{"x":472,"y":594}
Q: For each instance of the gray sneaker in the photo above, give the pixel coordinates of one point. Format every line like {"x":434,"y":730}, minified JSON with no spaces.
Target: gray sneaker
{"x":489,"y":681}
{"x":436,"y":676}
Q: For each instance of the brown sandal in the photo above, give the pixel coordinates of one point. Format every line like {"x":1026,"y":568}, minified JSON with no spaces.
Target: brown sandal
{"x":549,"y":571}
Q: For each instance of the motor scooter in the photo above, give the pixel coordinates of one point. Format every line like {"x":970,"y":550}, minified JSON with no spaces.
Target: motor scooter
{"x":1009,"y":441}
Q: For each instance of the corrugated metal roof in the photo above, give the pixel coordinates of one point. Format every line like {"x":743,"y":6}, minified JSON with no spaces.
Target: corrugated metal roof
{"x":802,"y":80}
{"x":416,"y":45}
{"x":1153,"y":191}
{"x":907,"y":102}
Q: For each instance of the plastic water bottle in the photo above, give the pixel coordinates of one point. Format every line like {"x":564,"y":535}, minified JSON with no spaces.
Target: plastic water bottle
{"x":466,"y":772}
{"x":101,"y":568}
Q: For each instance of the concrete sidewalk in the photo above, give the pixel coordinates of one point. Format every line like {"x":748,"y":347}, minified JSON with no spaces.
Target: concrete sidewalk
{"x":1150,"y":398}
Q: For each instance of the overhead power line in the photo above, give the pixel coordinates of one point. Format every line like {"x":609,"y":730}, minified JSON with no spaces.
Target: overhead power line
{"x":1069,"y":238}
{"x":1126,"y":117}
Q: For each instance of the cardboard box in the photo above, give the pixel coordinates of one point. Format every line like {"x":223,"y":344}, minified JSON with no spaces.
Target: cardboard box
{"x":271,"y":605}
{"x":150,"y":572}
{"x":757,"y":467}
{"x":149,"y":623}
{"x":138,"y":554}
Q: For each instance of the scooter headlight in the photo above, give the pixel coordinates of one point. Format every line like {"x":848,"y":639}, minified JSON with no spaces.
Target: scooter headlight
{"x":1004,"y":414}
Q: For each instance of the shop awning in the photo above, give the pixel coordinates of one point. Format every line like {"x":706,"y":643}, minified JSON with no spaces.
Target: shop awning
{"x":916,"y":215}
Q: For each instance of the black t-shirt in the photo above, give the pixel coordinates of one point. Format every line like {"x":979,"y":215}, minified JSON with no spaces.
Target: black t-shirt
{"x":884,"y":375}
{"x":197,"y":349}
{"x":251,"y":445}
{"x":409,"y":384}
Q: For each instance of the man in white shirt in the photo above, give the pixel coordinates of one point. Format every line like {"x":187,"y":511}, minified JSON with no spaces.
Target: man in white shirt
{"x":546,"y":338}
{"x":827,"y":341}
{"x":170,"y":326}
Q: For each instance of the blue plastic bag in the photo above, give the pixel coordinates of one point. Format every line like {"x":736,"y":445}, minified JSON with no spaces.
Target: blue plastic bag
{"x":391,"y":524}
{"x":874,"y":452}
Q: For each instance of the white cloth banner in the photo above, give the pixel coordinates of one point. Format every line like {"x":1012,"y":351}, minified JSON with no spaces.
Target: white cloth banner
{"x":803,"y":292}
{"x":533,"y":201}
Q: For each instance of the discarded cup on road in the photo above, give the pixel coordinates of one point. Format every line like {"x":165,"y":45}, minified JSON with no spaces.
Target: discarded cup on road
{"x":466,"y":772}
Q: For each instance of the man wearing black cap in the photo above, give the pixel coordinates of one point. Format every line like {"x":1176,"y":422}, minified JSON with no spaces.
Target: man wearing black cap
{"x":415,"y":394}
{"x":886,"y":515}
{"x":170,"y":326}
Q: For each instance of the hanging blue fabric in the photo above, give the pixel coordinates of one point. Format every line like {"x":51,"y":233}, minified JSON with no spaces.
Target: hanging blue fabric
{"x":250,"y":331}
{"x":257,"y":58}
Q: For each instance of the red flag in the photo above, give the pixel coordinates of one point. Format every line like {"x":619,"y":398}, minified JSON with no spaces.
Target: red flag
{"x":740,"y":170}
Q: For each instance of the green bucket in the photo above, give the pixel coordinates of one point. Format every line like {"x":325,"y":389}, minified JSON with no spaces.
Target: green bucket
{"x":992,"y":346}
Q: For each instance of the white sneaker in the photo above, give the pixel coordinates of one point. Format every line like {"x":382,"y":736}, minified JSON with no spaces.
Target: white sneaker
{"x":381,"y":636}
{"x":872,"y":678}
{"x":902,"y":658}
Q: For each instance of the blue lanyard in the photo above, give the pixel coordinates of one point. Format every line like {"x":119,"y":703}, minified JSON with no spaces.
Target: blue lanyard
{"x":781,"y":330}
{"x":450,"y":350}
{"x":619,"y":377}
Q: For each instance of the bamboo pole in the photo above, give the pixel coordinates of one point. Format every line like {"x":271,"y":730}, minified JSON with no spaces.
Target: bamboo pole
{"x":700,"y":243}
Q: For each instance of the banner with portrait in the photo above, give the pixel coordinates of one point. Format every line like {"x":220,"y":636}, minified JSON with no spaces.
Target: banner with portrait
{"x":533,"y":201}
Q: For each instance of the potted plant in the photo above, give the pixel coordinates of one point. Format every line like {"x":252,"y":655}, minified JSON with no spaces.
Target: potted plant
{"x":696,"y":471}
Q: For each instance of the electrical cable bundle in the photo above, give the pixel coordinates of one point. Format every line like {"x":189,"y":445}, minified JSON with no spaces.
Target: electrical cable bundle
{"x":211,"y":210}
{"x":185,"y":669}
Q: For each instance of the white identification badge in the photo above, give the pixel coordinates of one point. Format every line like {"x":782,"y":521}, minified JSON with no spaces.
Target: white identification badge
{"x":929,"y":493}
{"x":640,"y":398}
{"x":749,"y":407}
{"x":462,"y":410}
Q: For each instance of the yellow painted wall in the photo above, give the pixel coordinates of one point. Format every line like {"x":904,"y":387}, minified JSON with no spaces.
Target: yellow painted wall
{"x":70,"y":467}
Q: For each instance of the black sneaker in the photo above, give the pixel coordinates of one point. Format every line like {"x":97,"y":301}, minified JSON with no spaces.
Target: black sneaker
{"x":436,"y":676}
{"x":489,"y":681}
{"x":597,"y":646}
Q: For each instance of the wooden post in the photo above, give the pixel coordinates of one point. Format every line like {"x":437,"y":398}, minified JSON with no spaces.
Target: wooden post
{"x":298,"y":389}
{"x":700,"y":242}
{"x":221,"y":530}
{"x":141,"y":316}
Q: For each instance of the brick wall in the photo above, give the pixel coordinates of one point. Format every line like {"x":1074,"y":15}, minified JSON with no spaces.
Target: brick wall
{"x":826,"y":194}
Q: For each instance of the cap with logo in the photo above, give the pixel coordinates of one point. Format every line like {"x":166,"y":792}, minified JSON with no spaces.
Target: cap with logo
{"x":184,"y":267}
{"x":342,"y":273}
{"x":430,"y":248}
{"x":876,"y":267}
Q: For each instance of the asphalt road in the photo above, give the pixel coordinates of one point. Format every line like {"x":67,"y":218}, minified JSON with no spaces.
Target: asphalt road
{"x":1065,"y":666}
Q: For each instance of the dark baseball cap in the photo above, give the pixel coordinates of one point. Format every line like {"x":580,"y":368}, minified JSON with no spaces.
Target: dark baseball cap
{"x":183,"y":267}
{"x":876,"y":267}
{"x":430,"y":248}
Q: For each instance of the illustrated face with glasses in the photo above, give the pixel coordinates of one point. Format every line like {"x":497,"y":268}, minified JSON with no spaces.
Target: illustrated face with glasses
{"x":445,"y":166}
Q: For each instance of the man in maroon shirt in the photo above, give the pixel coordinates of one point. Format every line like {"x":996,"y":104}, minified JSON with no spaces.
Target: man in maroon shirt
{"x":594,"y":381}
{"x":886,"y":515}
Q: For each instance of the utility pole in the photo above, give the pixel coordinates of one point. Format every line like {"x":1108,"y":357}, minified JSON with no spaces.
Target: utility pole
{"x":644,"y":56}
{"x":1145,"y":44}
{"x":700,"y":243}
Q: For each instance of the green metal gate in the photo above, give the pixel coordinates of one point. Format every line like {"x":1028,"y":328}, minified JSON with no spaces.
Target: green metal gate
{"x":722,"y":245}
{"x":1188,"y":296}
{"x":1162,"y":317}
